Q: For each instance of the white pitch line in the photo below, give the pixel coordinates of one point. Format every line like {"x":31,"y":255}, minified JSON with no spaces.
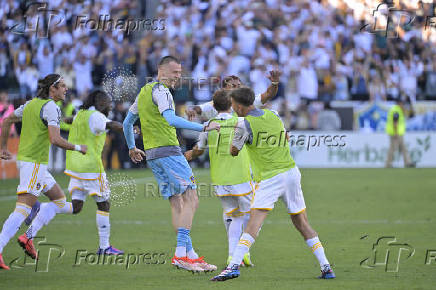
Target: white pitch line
{"x":12,"y":196}
{"x":215,"y":222}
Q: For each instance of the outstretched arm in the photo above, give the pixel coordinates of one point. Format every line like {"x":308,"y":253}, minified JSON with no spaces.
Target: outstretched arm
{"x":114,"y":126}
{"x":274,"y":77}
{"x":181,"y":123}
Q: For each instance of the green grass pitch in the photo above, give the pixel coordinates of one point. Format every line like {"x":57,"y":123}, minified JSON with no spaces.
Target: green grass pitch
{"x":349,"y":208}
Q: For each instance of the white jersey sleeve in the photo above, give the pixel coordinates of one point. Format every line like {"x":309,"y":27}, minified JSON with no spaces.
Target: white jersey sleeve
{"x":19,"y":111}
{"x":242,"y":134}
{"x":208,"y":111}
{"x":202,"y":141}
{"x":97,"y":123}
{"x":258,"y":101}
{"x":162,"y":97}
{"x":134,"y":107}
{"x":52,"y":114}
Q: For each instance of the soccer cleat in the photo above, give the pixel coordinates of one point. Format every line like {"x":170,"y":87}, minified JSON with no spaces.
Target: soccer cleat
{"x":33,"y":213}
{"x":229,"y":259}
{"x":186,"y":264}
{"x":27,"y":245}
{"x":2,"y":264}
{"x":203,"y":265}
{"x":227,"y":273}
{"x":327,"y":272}
{"x":247,"y":260}
{"x":110,"y":251}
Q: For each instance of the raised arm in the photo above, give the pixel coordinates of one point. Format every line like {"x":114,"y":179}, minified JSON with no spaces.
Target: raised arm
{"x":274,"y":77}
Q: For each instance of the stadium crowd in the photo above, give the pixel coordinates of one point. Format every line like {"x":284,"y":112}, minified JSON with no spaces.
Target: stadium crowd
{"x":327,"y":50}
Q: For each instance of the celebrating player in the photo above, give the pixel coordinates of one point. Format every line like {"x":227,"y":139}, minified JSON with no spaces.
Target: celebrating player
{"x":207,"y":111}
{"x":230,"y":175}
{"x":155,"y":107}
{"x":275,"y":172}
{"x":40,"y":118}
{"x":87,"y":172}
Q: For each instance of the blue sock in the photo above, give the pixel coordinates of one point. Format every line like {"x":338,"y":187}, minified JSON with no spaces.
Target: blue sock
{"x":189,"y":244}
{"x":182,"y":237}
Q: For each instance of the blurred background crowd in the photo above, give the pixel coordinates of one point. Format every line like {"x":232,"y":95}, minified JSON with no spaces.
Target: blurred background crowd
{"x":341,"y":61}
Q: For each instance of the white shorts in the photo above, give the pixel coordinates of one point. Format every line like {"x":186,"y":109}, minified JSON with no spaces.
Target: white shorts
{"x":234,"y":190}
{"x":236,"y":205}
{"x":34,"y":178}
{"x":97,"y":188}
{"x":286,"y":186}
{"x":235,"y":199}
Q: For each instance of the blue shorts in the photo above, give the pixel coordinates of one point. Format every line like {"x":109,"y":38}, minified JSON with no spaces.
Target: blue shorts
{"x":173,"y":175}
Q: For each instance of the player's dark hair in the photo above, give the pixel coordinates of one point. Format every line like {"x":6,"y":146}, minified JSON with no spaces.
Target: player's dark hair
{"x":93,"y":98}
{"x":244,"y":96}
{"x":167,"y":59}
{"x":45,"y":84}
{"x":227,"y":79}
{"x":221,"y":100}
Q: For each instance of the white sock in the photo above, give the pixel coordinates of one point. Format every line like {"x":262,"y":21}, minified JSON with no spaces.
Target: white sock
{"x":192,"y":254}
{"x":180,"y":252}
{"x":227,"y":220}
{"x":46,"y":213}
{"x":318,"y":250}
{"x":63,"y":206}
{"x":245,"y":219}
{"x":242,"y":248}
{"x":104,"y":228}
{"x":234,"y":233}
{"x":13,"y":223}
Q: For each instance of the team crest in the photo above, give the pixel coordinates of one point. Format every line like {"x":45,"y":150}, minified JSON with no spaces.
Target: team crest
{"x":38,"y":186}
{"x":192,"y":179}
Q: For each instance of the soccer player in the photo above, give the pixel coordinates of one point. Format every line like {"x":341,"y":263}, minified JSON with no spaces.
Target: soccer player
{"x":275,"y":172}
{"x":154,"y":106}
{"x":40,"y":118}
{"x":230,"y":175}
{"x":207,"y":111}
{"x":87,"y":172}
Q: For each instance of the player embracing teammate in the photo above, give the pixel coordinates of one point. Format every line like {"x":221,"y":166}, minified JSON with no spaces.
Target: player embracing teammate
{"x":276,"y":175}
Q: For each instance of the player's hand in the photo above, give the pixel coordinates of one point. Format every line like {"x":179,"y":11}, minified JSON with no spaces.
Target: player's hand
{"x":83,"y":149}
{"x":188,"y":155}
{"x":274,"y":76}
{"x":5,"y":155}
{"x":212,"y":126}
{"x":136,"y":130}
{"x":137,"y":155}
{"x":191,"y":112}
